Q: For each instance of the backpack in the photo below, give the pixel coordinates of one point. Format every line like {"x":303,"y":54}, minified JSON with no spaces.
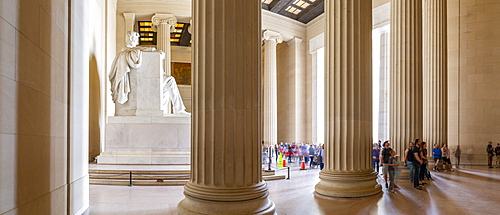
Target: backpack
{"x":409,"y":155}
{"x":319,"y":159}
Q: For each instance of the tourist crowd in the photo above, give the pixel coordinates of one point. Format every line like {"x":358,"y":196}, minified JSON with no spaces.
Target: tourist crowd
{"x":416,"y":159}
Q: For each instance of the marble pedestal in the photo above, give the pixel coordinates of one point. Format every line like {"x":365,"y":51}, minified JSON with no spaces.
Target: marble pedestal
{"x":147,"y":140}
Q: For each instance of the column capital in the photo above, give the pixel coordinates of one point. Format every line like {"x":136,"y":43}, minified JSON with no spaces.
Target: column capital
{"x":160,"y":18}
{"x":272,"y":35}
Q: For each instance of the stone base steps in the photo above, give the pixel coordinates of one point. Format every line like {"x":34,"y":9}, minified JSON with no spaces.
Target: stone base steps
{"x":151,"y":178}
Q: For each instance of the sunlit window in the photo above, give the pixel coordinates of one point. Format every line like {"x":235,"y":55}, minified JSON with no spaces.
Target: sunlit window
{"x":147,"y":36}
{"x":176,"y":35}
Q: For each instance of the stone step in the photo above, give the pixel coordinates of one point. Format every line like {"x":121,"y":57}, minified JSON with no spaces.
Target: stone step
{"x":152,"y":178}
{"x":139,"y":177}
{"x":140,"y":172}
{"x":138,"y":183}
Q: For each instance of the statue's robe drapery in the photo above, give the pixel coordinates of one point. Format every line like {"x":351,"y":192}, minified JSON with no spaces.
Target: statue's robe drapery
{"x":119,"y":77}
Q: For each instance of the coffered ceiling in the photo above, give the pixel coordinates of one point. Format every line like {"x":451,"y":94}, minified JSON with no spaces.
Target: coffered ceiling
{"x":300,"y":10}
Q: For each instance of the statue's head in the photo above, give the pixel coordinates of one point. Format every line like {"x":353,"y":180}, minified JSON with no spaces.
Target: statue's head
{"x":132,"y":39}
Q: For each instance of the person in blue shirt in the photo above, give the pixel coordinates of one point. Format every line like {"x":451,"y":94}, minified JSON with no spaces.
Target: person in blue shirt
{"x":436,"y":154}
{"x":375,"y":157}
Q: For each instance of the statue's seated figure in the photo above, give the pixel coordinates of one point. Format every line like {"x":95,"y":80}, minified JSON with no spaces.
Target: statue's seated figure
{"x":131,"y":58}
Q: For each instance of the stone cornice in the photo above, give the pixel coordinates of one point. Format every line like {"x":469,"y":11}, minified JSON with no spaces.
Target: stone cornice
{"x":166,"y":1}
{"x":381,"y":15}
{"x":268,"y":16}
{"x":272,"y":35}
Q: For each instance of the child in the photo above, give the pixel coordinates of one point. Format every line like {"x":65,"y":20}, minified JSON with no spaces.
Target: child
{"x":392,"y":168}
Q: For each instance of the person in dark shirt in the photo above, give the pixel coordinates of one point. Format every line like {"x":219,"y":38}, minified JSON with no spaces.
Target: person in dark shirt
{"x":489,"y":150}
{"x":384,"y":160}
{"x":497,"y":152}
{"x":417,"y":162}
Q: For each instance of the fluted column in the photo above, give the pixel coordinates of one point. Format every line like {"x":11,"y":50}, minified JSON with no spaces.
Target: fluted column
{"x":406,"y":73}
{"x":226,"y":175}
{"x":435,"y":115}
{"x":269,"y":104}
{"x":384,"y":82}
{"x":163,"y":23}
{"x":348,"y":101}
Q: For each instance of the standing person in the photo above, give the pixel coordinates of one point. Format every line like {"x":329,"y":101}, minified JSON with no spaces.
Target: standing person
{"x":311,"y":151}
{"x":457,"y":153}
{"x":423,"y":168}
{"x":445,"y":153}
{"x":321,"y":157}
{"x":408,"y":160}
{"x":375,"y":157}
{"x":497,"y":151}
{"x":417,"y":162}
{"x":384,"y":160}
{"x":391,"y":167}
{"x":436,"y":154}
{"x":489,"y":150}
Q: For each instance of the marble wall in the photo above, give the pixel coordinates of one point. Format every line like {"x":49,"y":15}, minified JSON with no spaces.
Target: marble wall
{"x":33,"y":106}
{"x":315,"y":40}
{"x":473,"y":76}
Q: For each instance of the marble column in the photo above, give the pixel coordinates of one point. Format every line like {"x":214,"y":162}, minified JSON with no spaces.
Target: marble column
{"x":435,"y":81}
{"x":162,"y":23}
{"x":226,"y":175}
{"x":348,"y":101}
{"x":296,"y":59}
{"x":270,"y":84}
{"x":406,"y":74}
{"x":384,"y":82}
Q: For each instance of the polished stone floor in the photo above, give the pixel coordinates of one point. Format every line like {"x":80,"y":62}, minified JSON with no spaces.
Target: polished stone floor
{"x":469,"y":190}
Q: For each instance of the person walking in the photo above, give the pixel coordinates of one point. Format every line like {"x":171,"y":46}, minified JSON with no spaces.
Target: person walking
{"x":489,"y":150}
{"x":497,"y":152}
{"x":458,"y":153}
{"x":311,"y":151}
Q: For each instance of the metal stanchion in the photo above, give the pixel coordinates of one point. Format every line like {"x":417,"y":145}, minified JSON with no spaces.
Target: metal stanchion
{"x":288,"y":173}
{"x":130,"y":183}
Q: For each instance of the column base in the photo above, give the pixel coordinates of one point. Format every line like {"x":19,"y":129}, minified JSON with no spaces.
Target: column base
{"x":210,"y":200}
{"x":404,"y":172}
{"x":347,"y":184}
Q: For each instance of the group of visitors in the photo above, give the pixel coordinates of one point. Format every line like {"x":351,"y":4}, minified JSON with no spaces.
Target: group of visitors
{"x":388,"y":161}
{"x":443,"y":155}
{"x":294,"y":153}
{"x":417,"y":161}
{"x":493,"y":152}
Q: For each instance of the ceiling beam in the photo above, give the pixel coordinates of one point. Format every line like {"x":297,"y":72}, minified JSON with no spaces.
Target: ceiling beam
{"x":312,"y":13}
{"x":277,"y":5}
